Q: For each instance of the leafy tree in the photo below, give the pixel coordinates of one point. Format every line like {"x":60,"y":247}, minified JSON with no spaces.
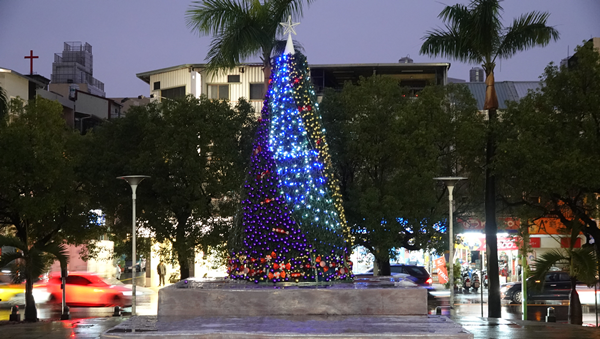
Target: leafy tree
{"x":551,"y":150}
{"x":388,"y":148}
{"x":41,"y":203}
{"x":475,"y":34}
{"x":194,"y":150}
{"x":3,"y":103}
{"x":242,"y":29}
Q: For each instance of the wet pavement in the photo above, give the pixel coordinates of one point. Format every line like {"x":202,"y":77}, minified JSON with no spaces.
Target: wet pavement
{"x":92,"y":323}
{"x":479,"y":327}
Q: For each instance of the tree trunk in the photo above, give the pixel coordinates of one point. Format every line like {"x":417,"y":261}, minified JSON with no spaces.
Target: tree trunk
{"x":182,"y":249}
{"x":383,"y":263}
{"x":266,"y":68}
{"x":184,"y":268}
{"x":30,"y":309}
{"x":575,"y":311}
{"x":491,"y":228}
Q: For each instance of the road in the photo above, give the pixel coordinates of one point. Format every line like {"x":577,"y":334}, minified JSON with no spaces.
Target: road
{"x":470,"y":305}
{"x":146,"y":304}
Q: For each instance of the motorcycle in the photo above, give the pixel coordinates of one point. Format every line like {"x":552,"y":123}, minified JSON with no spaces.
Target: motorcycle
{"x":476,"y":282}
{"x":466,"y":279}
{"x":486,"y":281}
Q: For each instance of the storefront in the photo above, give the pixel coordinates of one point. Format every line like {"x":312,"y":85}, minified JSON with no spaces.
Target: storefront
{"x":544,"y":235}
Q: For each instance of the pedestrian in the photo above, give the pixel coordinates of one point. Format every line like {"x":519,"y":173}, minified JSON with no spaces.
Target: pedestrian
{"x":162,"y":271}
{"x":118,"y":272}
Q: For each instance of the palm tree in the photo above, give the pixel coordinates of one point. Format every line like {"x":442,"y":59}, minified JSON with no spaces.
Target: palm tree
{"x":31,"y":263}
{"x":241,"y":29}
{"x":475,"y":34}
{"x":582,"y":267}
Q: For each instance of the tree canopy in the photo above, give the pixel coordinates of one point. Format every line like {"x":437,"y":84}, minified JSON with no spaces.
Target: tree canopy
{"x":195,"y":151}
{"x":474,"y":33}
{"x":387,"y":149}
{"x":550,"y":154}
{"x":42,"y":204}
{"x":242,"y":29}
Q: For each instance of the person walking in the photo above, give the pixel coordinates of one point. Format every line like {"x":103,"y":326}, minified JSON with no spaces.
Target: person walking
{"x":162,"y":271}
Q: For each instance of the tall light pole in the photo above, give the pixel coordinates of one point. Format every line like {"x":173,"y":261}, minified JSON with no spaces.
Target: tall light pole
{"x":450,"y":183}
{"x":133,"y":181}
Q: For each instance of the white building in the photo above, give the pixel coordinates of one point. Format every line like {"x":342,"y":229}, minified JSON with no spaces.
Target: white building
{"x":247,"y":80}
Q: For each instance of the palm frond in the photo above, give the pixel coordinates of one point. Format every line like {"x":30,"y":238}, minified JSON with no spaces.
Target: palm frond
{"x":485,"y":25}
{"x":58,"y":251}
{"x":7,"y":258}
{"x":12,"y":241}
{"x":546,"y":261}
{"x":281,"y":9}
{"x":454,"y":14}
{"x":527,"y":31}
{"x":35,"y":263}
{"x":214,"y":16}
{"x":584,"y":265}
{"x":450,"y":43}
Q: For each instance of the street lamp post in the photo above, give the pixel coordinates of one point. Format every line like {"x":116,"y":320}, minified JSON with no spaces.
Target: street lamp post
{"x":133,"y":181}
{"x":450,"y":183}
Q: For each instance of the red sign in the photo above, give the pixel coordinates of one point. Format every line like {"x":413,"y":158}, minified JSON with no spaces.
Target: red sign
{"x":508,"y":244}
{"x":565,"y":242}
{"x":442,"y":272}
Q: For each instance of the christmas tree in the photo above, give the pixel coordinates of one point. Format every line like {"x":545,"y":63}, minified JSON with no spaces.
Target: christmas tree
{"x":292,"y":226}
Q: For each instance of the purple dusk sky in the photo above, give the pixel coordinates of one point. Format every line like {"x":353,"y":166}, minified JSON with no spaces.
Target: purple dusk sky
{"x":134,"y":36}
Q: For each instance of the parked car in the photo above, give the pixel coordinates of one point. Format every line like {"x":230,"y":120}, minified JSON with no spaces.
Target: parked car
{"x":84,"y":289}
{"x":556,"y":287}
{"x":418,"y":274}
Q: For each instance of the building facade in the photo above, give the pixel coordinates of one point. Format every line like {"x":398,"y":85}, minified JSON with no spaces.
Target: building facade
{"x":247,"y":80}
{"x":75,"y":66}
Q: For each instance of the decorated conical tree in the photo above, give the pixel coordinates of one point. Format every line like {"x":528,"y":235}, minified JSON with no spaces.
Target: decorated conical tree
{"x":292,"y":226}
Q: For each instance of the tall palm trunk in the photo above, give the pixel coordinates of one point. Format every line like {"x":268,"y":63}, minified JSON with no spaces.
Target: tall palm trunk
{"x":575,"y":311}
{"x":491,"y":228}
{"x":266,"y":58}
{"x":30,"y":309}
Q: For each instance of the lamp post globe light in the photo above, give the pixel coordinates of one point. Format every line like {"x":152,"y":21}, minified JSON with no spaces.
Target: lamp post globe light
{"x":450,"y":182}
{"x":133,"y":181}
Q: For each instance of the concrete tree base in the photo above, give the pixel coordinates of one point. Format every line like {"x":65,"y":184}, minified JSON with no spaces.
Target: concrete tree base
{"x":222,"y":309}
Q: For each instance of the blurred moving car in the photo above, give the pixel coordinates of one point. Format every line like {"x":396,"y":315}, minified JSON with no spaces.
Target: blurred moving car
{"x":418,"y":274}
{"x":85,"y":289}
{"x":9,"y":291}
{"x":556,"y":287}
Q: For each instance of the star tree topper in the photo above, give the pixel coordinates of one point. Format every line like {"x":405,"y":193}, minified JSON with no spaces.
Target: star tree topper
{"x":289,"y":29}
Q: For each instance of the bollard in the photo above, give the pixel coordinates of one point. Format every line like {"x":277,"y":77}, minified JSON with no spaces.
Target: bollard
{"x":438,"y":310}
{"x":550,"y":317}
{"x":14,"y":314}
{"x":117,"y":312}
{"x":65,"y":315}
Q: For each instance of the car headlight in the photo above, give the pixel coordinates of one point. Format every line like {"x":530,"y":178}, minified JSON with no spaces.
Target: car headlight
{"x":128,"y":293}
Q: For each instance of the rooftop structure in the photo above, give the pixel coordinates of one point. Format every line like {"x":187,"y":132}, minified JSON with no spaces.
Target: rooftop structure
{"x":75,"y":65}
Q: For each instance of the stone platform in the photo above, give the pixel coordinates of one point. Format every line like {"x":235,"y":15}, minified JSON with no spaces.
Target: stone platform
{"x":381,"y":307}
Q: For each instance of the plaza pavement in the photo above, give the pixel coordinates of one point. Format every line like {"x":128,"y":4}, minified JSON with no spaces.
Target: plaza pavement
{"x":480,"y":327}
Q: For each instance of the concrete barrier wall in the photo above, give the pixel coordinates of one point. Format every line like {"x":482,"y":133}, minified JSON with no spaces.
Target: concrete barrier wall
{"x":195,"y":302}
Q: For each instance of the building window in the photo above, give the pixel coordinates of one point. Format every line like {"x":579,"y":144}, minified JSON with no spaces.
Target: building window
{"x":218,"y":91}
{"x":257,"y":91}
{"x":156,"y":85}
{"x":233,"y":78}
{"x":173,"y":93}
